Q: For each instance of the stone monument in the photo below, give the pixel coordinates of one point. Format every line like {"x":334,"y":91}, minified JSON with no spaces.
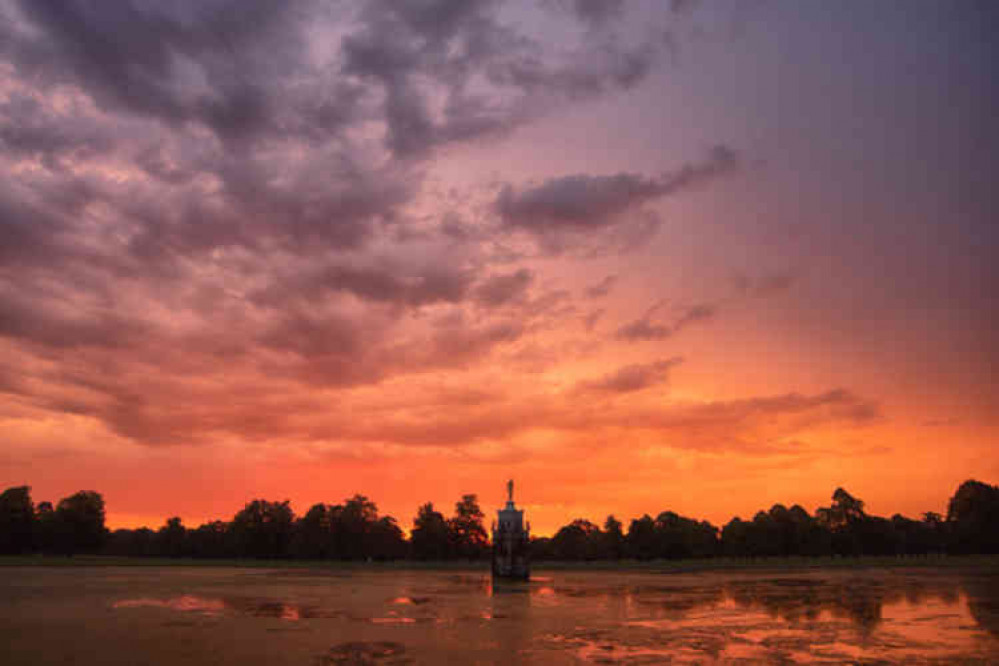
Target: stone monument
{"x":511,"y":543}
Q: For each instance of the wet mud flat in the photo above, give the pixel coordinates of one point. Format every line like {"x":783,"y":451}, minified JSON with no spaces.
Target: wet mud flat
{"x":172,"y":615}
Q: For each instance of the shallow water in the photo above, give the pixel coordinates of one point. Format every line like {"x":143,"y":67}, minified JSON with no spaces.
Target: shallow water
{"x":193,"y":616}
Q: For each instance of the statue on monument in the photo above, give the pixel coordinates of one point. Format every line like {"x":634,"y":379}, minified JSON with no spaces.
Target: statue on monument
{"x":511,"y":541}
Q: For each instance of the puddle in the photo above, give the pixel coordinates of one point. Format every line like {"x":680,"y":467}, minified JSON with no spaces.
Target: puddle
{"x":410,"y":601}
{"x":189,"y":603}
{"x":392,"y":620}
{"x":184,"y":603}
{"x":359,"y":653}
{"x":891,"y":616}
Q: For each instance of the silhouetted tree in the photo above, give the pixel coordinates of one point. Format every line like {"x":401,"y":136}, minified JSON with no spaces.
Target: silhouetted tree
{"x":211,"y":540}
{"x":17,"y":520}
{"x":735,"y":538}
{"x":640,"y":543}
{"x":916,"y":537}
{"x":613,"y":538}
{"x":45,"y":528}
{"x":430,"y":538}
{"x":973,"y":518}
{"x":354,"y":530}
{"x":678,"y":537}
{"x":807,"y":536}
{"x":843,"y":521}
{"x":314,"y":534}
{"x":579,"y":540}
{"x":387,"y":541}
{"x":139,"y":542}
{"x":171,"y":540}
{"x":79,"y":523}
{"x":779,"y":531}
{"x":353,"y":524}
{"x":468,"y":537}
{"x":541,"y":549}
{"x":263,"y":529}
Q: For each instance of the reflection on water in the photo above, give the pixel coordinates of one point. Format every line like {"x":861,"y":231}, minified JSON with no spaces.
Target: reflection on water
{"x":844,"y":615}
{"x":358,"y":653}
{"x":186,"y":602}
{"x":215,"y":607}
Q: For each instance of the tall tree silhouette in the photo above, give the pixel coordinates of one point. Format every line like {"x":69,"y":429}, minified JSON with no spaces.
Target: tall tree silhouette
{"x":973,"y":514}
{"x":172,"y":538}
{"x":263,"y":529}
{"x":314,"y":534}
{"x":468,"y":536}
{"x":430,"y":537}
{"x":579,"y":540}
{"x":79,"y":523}
{"x":613,"y":538}
{"x":353,"y":527}
{"x":17,"y":520}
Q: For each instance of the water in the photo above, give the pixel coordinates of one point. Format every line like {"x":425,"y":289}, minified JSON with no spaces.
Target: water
{"x":193,"y":616}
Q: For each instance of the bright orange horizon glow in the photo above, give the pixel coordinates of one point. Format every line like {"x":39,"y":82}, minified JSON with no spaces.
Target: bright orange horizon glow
{"x":647,"y":257}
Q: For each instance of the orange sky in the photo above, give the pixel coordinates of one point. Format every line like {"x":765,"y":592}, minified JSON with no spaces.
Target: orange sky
{"x":699,"y":259}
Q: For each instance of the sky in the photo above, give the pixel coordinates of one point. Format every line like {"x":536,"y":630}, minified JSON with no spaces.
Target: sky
{"x":636,"y":255}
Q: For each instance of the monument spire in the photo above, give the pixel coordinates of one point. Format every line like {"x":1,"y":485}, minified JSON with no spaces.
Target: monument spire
{"x":511,"y":542}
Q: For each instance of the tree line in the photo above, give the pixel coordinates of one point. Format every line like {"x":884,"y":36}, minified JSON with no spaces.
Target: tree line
{"x":354,"y":530}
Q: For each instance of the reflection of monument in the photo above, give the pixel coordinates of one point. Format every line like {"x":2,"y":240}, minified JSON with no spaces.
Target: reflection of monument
{"x":510,"y":541}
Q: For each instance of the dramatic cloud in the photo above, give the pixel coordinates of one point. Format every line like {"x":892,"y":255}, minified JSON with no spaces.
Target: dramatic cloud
{"x":602,"y":288}
{"x":581,"y":202}
{"x":500,"y":289}
{"x":176,"y":63}
{"x":648,"y":328}
{"x":558,"y":209}
{"x":429,"y":58}
{"x":634,"y":377}
{"x":651,"y":327}
{"x":387,"y":284}
{"x":423,"y":233}
{"x":597,"y":11}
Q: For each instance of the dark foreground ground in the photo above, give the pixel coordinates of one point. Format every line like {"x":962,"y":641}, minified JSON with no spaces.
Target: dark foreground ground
{"x":785,"y":612}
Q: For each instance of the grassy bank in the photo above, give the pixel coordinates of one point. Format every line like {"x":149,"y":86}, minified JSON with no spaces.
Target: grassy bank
{"x":663,"y":566}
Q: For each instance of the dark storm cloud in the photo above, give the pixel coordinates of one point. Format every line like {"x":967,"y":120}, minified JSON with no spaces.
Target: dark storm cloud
{"x":683,"y":6}
{"x":129,"y":56}
{"x":501,"y":289}
{"x":575,"y":202}
{"x":200,"y":197}
{"x":27,"y":232}
{"x":838,"y":405}
{"x":582,"y":205}
{"x":29,"y":321}
{"x":375,"y":284}
{"x":598,"y":11}
{"x":748,"y":426}
{"x":602,"y":288}
{"x":648,"y":328}
{"x":314,"y":335}
{"x":27,"y":128}
{"x":581,"y":201}
{"x":630,"y":378}
{"x":460,"y":345}
{"x":243,"y":71}
{"x":434,"y":50}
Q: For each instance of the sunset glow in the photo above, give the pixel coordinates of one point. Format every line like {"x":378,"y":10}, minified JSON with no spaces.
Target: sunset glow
{"x":638,"y":256}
